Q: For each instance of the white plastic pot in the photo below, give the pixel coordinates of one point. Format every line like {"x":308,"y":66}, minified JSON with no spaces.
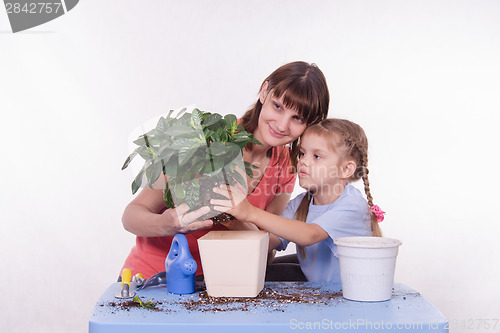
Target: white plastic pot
{"x":367,"y":267}
{"x":234,"y":262}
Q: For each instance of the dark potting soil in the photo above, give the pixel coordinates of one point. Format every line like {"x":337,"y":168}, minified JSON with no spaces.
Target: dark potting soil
{"x":206,"y":194}
{"x":268,"y":299}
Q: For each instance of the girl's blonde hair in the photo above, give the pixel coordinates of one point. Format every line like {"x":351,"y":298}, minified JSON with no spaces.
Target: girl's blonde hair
{"x":355,"y":146}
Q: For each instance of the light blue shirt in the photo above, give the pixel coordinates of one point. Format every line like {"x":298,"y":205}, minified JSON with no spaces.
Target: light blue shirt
{"x":348,"y":216}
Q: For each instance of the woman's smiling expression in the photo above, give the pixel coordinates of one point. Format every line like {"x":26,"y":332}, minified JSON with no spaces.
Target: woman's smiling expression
{"x":278,"y":124}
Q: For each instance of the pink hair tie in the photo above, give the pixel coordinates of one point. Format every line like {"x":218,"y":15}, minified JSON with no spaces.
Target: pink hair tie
{"x":378,"y":212}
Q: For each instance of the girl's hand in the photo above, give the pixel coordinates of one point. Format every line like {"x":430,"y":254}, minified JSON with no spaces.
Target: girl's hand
{"x":237,"y":203}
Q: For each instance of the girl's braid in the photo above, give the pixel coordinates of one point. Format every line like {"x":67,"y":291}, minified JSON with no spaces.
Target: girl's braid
{"x":358,"y":149}
{"x":366,"y":182}
{"x":363,"y":171}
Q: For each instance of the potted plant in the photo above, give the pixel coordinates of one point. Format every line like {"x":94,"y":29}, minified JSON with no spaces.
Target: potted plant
{"x":196,"y":151}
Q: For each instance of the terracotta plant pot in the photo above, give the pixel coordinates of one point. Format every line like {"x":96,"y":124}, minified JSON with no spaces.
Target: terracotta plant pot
{"x":234,"y":262}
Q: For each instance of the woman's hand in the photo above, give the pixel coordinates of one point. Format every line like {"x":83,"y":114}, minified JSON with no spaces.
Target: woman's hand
{"x":146,"y":216}
{"x":237,"y":203}
{"x":187,"y":222}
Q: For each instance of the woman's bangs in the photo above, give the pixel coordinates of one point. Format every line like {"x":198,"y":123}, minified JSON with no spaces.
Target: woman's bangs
{"x":298,"y":98}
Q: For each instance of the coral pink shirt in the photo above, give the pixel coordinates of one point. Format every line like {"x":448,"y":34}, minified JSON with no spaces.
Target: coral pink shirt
{"x":149,"y":253}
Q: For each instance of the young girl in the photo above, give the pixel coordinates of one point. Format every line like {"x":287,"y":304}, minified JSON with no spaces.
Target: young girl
{"x":294,"y":96}
{"x":332,"y":154}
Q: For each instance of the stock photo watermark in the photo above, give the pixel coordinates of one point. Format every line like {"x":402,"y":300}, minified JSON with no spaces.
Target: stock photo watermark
{"x":25,"y":14}
{"x":364,"y":324}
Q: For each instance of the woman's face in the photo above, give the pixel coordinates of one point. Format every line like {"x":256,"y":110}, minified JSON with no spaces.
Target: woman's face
{"x":278,"y":124}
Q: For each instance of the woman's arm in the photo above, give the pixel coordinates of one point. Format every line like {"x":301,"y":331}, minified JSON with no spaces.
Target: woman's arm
{"x":142,"y":216}
{"x":278,"y":204}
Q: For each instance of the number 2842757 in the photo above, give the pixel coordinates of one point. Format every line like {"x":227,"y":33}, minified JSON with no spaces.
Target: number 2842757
{"x":33,"y":7}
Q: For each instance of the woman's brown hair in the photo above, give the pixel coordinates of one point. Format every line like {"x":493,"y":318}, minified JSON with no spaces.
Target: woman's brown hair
{"x":353,"y":140}
{"x":303,"y":87}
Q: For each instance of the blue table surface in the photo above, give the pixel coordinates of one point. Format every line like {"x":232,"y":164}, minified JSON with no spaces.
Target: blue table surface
{"x":281,"y":307}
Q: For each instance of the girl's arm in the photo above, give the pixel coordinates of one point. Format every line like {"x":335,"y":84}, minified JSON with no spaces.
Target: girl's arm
{"x":276,"y":207}
{"x":274,"y":242}
{"x":299,"y":232}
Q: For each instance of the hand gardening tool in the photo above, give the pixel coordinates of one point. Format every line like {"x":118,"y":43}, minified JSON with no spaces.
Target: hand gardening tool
{"x":155,"y":280}
{"x":125,"y":290}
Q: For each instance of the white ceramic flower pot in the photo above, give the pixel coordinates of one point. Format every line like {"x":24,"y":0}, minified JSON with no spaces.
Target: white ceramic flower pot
{"x":367,"y":267}
{"x":234,"y":262}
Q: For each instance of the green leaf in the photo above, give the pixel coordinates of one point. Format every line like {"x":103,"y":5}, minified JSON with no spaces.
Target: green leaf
{"x":217,"y":149}
{"x":170,"y":167}
{"x":167,"y":197}
{"x":208,"y":133}
{"x":248,"y":169}
{"x":180,"y":191}
{"x":136,"y":184}
{"x":129,"y":159}
{"x":185,"y":119}
{"x":142,"y":151}
{"x":242,"y":136}
{"x":218,"y":134}
{"x":224,"y":137}
{"x":239,"y":178}
{"x":196,"y":118}
{"x":142,"y":140}
{"x":198,"y":166}
{"x":184,"y":143}
{"x":146,"y":305}
{"x":193,"y":193}
{"x":214,"y":167}
{"x":250,"y":165}
{"x":161,"y":126}
{"x":255,"y":141}
{"x":135,"y":187}
{"x":186,"y":154}
{"x":230,"y":157}
{"x":152,"y":152}
{"x":178,"y":129}
{"x":166,"y":154}
{"x":153,"y":172}
{"x":211,"y":120}
{"x":231,"y":122}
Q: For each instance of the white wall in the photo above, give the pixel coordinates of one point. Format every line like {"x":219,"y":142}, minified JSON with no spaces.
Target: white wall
{"x":422,"y":78}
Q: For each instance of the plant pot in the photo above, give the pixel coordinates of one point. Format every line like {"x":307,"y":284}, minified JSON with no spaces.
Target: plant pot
{"x":234,"y":262}
{"x":367,"y":266}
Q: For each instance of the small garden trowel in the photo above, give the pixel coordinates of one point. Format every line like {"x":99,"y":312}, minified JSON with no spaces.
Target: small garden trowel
{"x":125,"y":290}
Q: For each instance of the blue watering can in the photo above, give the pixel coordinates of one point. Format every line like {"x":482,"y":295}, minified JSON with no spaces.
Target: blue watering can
{"x":180,"y":267}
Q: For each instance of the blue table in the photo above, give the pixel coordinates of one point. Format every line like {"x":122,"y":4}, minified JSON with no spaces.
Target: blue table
{"x":281,"y":307}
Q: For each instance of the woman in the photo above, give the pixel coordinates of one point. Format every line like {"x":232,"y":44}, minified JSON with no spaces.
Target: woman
{"x":291,"y":98}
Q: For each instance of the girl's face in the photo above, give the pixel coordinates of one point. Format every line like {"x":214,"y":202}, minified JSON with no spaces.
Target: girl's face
{"x":278,"y":124}
{"x":320,"y":168}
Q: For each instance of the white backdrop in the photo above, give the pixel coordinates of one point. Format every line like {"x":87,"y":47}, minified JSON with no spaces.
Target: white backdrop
{"x":422,"y":78}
